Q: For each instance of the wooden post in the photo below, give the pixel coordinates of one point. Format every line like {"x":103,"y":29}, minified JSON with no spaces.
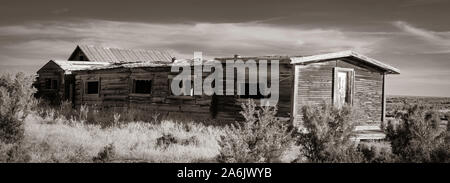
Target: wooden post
{"x":383,"y":99}
{"x":294,"y":91}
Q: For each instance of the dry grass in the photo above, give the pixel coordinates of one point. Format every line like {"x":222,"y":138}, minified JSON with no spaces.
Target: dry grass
{"x":60,"y":140}
{"x":53,"y":139}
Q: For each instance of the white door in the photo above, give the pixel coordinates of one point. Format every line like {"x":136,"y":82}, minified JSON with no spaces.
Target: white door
{"x":342,"y":88}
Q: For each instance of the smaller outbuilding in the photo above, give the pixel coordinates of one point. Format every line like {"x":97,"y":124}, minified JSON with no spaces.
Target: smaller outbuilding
{"x":56,"y":80}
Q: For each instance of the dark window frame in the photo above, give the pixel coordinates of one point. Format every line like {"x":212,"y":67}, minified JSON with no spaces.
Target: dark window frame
{"x":87,"y":87}
{"x":48,"y":83}
{"x":142,"y":89}
{"x":247,"y":95}
{"x":55,"y":84}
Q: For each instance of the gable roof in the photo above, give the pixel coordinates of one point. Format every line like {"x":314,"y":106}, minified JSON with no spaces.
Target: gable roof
{"x":69,"y":66}
{"x":344,"y":54}
{"x":115,"y":55}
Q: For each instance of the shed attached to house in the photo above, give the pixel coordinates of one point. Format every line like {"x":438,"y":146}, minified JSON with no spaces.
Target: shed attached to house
{"x":56,"y":81}
{"x":341,"y":78}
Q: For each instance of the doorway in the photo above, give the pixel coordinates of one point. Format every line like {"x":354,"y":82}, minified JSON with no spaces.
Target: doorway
{"x":343,"y":87}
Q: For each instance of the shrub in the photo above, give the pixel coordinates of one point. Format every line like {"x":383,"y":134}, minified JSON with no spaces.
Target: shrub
{"x":373,"y":154}
{"x":260,"y":138}
{"x":14,"y":153}
{"x":16,"y":99}
{"x":417,"y":137}
{"x":327,"y":134}
{"x":166,"y":140}
{"x":78,"y":156}
{"x":107,"y":154}
{"x":53,"y":99}
{"x":193,"y":140}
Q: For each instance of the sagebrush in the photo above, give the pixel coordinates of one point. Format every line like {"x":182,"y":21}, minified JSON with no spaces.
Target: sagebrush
{"x":416,"y":135}
{"x":326,"y":134}
{"x":16,"y":100}
{"x":261,"y":137}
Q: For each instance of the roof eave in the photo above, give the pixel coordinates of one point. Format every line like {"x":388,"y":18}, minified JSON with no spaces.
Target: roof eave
{"x":329,"y":56}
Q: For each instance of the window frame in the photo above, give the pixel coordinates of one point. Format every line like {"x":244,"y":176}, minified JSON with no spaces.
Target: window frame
{"x":86,"y":87}
{"x":48,"y":83}
{"x":134,"y":81}
{"x":51,"y":83}
{"x":54,"y":84}
{"x":258,"y":95}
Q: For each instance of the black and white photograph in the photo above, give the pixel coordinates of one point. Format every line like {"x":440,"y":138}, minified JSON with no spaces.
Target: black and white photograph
{"x":224,"y":82}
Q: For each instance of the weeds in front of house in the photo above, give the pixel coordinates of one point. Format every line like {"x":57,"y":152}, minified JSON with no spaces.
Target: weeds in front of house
{"x":35,"y":131}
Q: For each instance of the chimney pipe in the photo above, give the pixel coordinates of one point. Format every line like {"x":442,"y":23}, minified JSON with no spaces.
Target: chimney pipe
{"x":198,"y":56}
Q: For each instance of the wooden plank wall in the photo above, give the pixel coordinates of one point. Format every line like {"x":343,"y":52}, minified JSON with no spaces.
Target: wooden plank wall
{"x":53,"y":72}
{"x":368,"y":91}
{"x":229,"y":107}
{"x":116,"y":92}
{"x":315,"y":84}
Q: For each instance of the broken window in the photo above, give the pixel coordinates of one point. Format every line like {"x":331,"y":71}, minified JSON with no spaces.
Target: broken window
{"x":48,"y":83}
{"x":92,"y":87}
{"x":142,"y":86}
{"x":54,"y":84}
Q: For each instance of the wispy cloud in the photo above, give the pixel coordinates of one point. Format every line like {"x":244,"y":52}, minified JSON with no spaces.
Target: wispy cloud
{"x":437,"y":42}
{"x":422,"y":33}
{"x":38,"y":40}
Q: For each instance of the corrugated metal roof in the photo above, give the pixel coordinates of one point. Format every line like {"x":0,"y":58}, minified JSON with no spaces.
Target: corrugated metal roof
{"x":114,"y":55}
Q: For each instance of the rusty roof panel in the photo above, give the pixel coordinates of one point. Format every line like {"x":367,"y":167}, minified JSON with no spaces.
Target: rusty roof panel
{"x":114,"y":55}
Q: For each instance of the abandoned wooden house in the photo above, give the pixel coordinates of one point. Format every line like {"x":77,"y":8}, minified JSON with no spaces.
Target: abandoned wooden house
{"x":339,"y":78}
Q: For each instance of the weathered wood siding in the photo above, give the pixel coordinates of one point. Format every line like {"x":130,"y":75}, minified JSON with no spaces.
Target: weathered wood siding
{"x":116,"y":92}
{"x":229,"y":107}
{"x":368,"y":90}
{"x":53,"y":72}
{"x":116,"y":87}
{"x":315,"y":86}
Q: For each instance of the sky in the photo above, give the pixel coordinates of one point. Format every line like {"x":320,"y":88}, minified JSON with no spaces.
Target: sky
{"x":411,"y":35}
